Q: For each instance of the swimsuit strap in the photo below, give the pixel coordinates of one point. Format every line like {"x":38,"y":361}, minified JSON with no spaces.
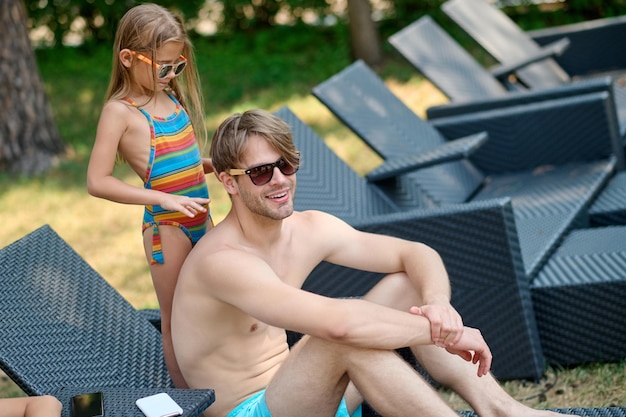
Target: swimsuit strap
{"x":157,"y":248}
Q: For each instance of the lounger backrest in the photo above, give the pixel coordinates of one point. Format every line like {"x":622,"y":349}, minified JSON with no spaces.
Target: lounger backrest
{"x":428,"y":48}
{"x":325,"y":182}
{"x":504,"y":40}
{"x":362,"y":101}
{"x":64,"y":325}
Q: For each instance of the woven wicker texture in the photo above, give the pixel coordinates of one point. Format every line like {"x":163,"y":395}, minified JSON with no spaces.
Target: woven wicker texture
{"x":485,"y":22}
{"x":61,"y":318}
{"x":587,"y":131}
{"x":477,"y":241}
{"x":457,"y":74}
{"x":64,"y":325}
{"x":583,"y":412}
{"x":610,"y":206}
{"x":121,"y":402}
{"x":552,"y":132}
{"x":447,"y":152}
{"x":547,"y":202}
{"x":580,"y":298}
{"x":583,"y":56}
{"x":488,"y":25}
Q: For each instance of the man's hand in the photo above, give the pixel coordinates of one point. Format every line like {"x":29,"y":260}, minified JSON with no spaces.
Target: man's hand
{"x":472,"y":347}
{"x":446,"y":324}
{"x":449,"y":333}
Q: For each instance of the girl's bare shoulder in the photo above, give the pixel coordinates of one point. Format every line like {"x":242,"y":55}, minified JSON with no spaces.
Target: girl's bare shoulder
{"x":119,"y":105}
{"x":117,"y":109}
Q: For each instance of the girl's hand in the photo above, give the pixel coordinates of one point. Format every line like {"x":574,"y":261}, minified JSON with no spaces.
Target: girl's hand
{"x":189,"y":206}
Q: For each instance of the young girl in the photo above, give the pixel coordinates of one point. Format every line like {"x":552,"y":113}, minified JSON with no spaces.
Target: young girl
{"x":151,"y":118}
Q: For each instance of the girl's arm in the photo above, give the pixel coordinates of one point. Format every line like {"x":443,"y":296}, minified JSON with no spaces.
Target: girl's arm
{"x":115,"y":122}
{"x":207,"y":164}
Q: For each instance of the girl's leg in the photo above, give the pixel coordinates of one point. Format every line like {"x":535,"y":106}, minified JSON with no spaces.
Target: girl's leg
{"x":175,"y":246}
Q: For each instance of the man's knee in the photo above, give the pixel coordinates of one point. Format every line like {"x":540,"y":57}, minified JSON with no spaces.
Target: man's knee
{"x":328,"y":351}
{"x":394,"y":290}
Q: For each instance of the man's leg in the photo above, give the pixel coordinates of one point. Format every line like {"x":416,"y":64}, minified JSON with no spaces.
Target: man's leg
{"x":313,"y":379}
{"x":484,"y":394}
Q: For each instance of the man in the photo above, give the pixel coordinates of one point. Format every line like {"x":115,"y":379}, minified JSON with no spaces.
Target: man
{"x":240,"y":288}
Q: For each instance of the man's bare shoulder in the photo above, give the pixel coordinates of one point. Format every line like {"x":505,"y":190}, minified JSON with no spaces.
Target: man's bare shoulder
{"x":214,"y":256}
{"x":319,"y":225}
{"x":314,"y":219}
{"x":212,"y":252}
{"x":302,"y":228}
{"x":226,"y":236}
{"x":224,"y":253}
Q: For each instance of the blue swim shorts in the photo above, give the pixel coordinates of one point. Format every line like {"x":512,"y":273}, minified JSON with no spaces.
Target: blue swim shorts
{"x":255,"y":407}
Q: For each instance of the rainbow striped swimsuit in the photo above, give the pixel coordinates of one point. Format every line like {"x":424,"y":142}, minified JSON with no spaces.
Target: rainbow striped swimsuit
{"x":174,"y":167}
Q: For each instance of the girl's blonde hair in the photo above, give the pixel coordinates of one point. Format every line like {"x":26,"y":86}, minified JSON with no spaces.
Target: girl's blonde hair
{"x":144,"y":29}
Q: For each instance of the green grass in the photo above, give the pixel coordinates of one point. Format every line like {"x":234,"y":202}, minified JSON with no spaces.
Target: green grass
{"x":274,"y":68}
{"x":591,"y":385}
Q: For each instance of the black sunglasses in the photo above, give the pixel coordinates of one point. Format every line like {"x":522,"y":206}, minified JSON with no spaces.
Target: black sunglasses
{"x":262,"y":174}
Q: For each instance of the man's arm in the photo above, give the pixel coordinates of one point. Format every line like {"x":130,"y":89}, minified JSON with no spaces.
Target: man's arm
{"x":255,"y":289}
{"x":249,"y":283}
{"x":422,"y":264}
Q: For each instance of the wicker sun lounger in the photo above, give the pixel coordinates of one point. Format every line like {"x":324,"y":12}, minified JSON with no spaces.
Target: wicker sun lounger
{"x":66,"y":331}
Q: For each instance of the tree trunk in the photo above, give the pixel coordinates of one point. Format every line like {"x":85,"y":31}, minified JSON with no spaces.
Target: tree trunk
{"x":29,"y":139}
{"x":364,"y":36}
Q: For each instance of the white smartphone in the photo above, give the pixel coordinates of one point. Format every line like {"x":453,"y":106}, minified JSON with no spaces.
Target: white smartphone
{"x":159,"y":405}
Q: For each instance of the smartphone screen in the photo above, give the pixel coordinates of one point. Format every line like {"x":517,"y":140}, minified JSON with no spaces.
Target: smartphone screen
{"x":88,"y":405}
